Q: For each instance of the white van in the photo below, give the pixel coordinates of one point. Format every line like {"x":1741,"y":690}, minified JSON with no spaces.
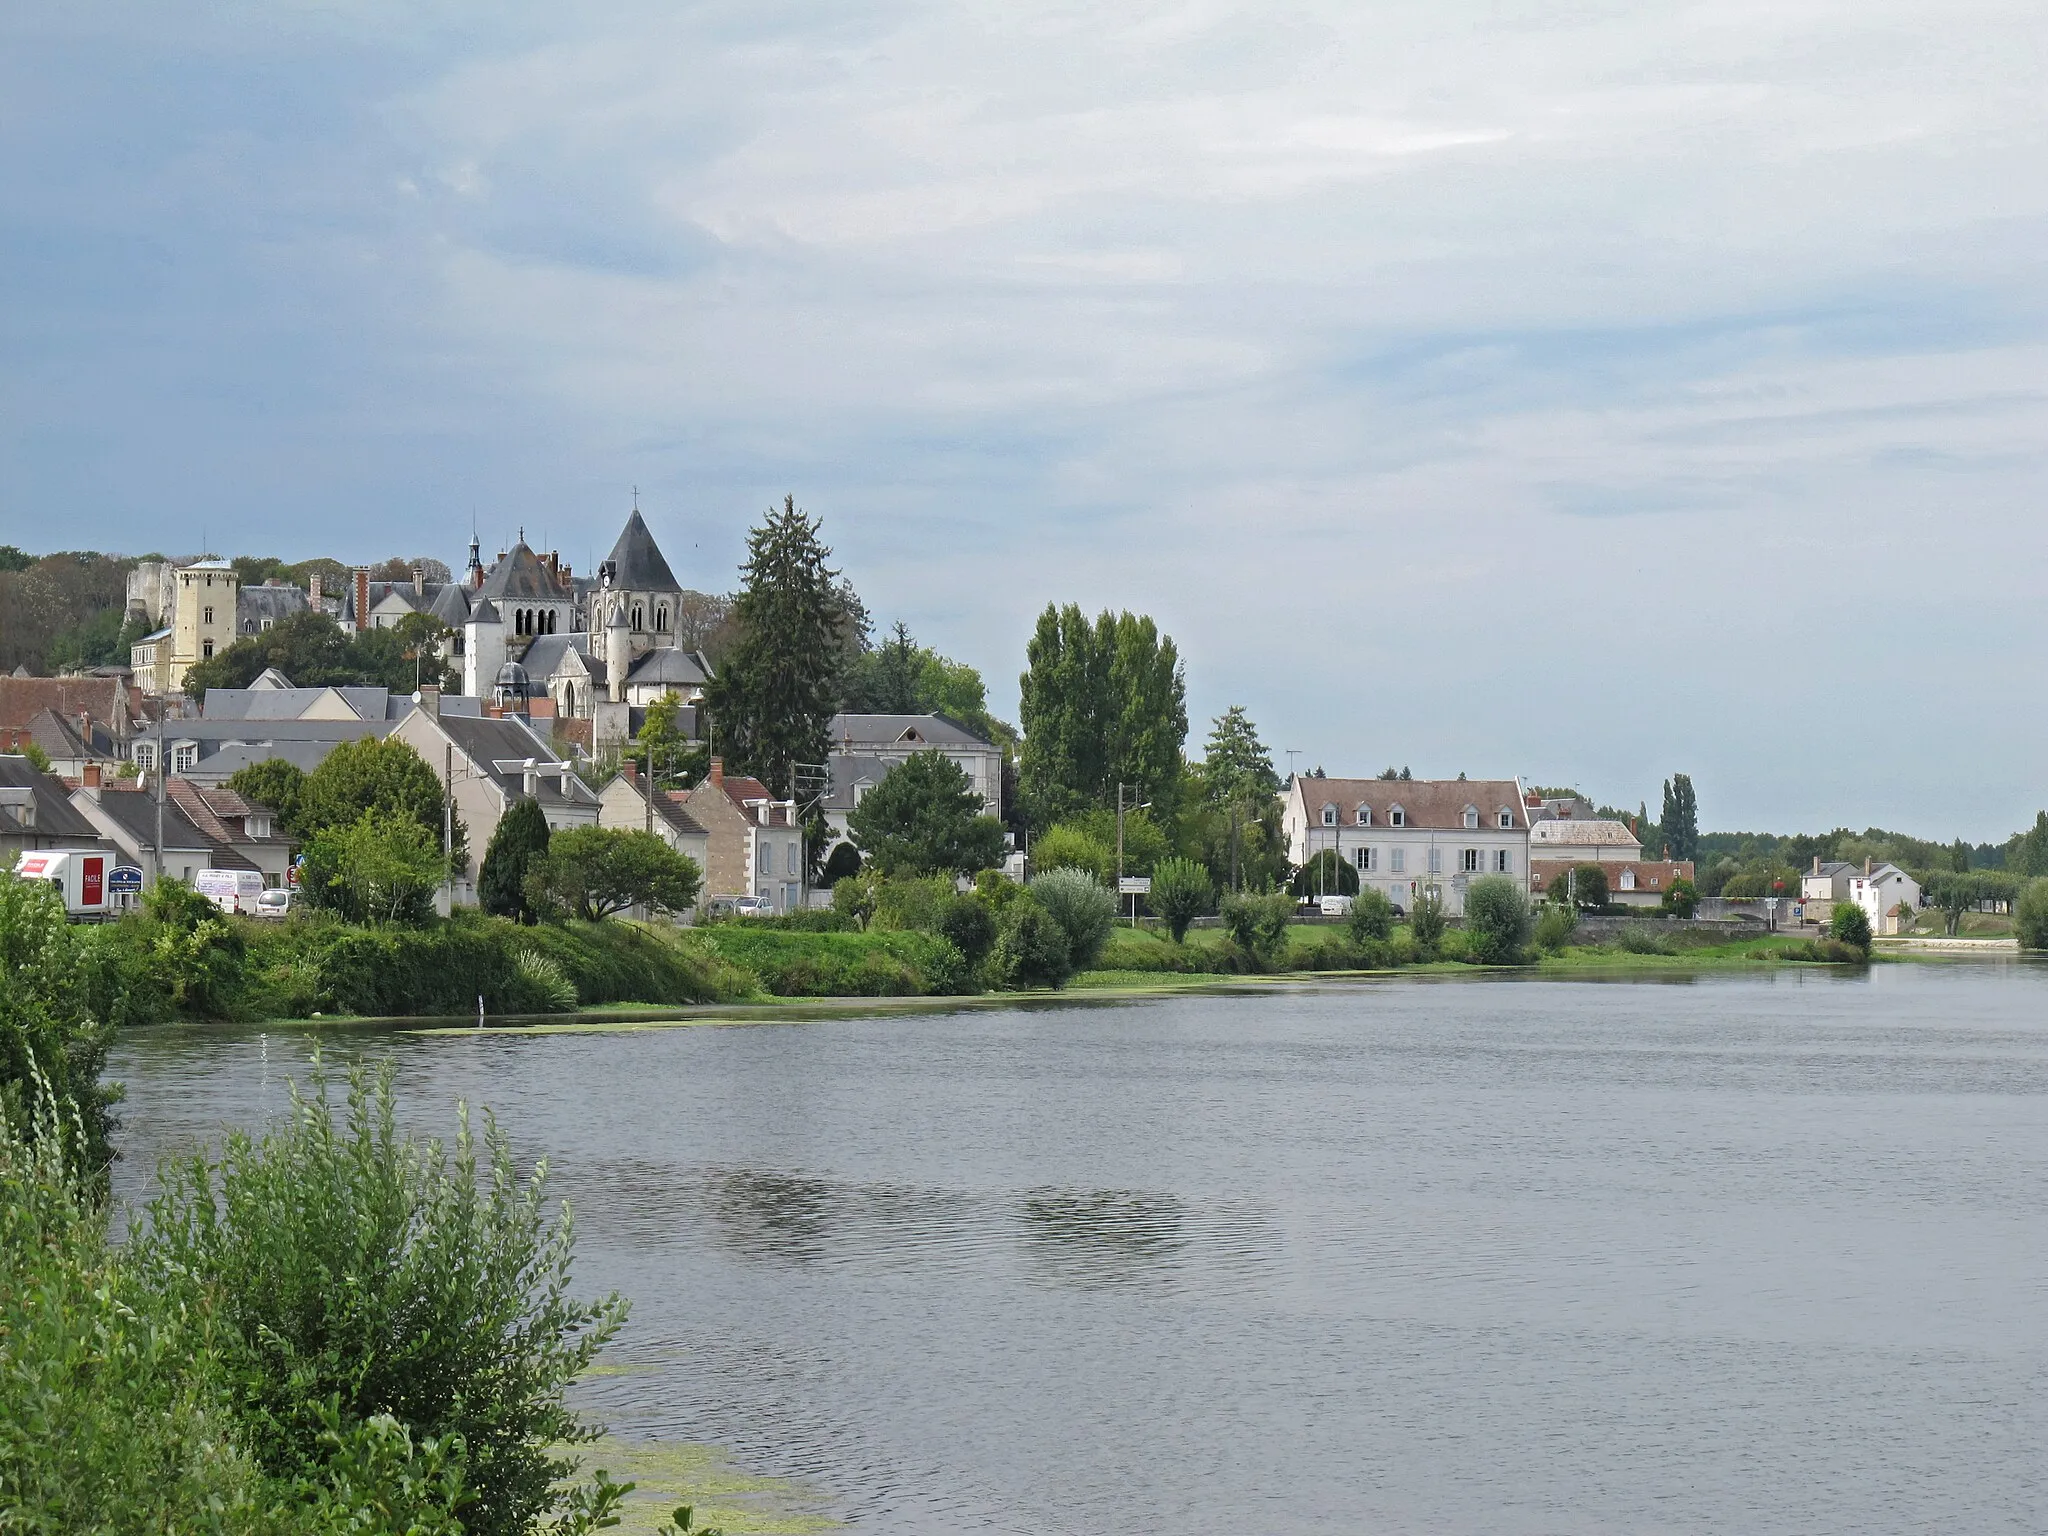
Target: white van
{"x":232,"y":890}
{"x":1338,"y":906}
{"x":79,"y":874}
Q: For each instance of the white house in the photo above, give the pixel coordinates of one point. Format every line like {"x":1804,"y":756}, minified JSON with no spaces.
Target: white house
{"x":866,"y":747}
{"x":1881,"y":889}
{"x":1403,"y":835}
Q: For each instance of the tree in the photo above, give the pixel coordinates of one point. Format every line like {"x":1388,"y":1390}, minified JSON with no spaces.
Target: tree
{"x":1102,"y":704}
{"x":664,"y":749}
{"x":843,"y":864}
{"x":1031,"y":948}
{"x":595,"y":871}
{"x":1084,"y":909}
{"x":1181,"y":892}
{"x":1328,"y":873}
{"x":1497,"y":920}
{"x":777,"y":691}
{"x":1427,"y":922}
{"x":1239,"y":778}
{"x":1070,"y":845}
{"x":373,"y":775}
{"x":38,"y":759}
{"x":519,"y":843}
{"x":381,"y":868}
{"x":1372,"y":918}
{"x":1952,"y":895}
{"x":1257,"y":925}
{"x":1680,"y":822}
{"x":1583,"y":885}
{"x":1682,"y":899}
{"x":2026,"y":853}
{"x":925,"y":818}
{"x":274,"y":782}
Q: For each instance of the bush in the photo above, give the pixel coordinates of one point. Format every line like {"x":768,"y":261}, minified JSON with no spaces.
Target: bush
{"x":1584,"y":885}
{"x":1326,"y":874}
{"x":1850,"y":925}
{"x":1682,"y":899}
{"x":52,"y":1040}
{"x":1496,"y":921}
{"x":2030,"y":915}
{"x":1257,"y":926}
{"x":592,"y":872}
{"x":1554,"y":928}
{"x":1428,"y":922}
{"x":1083,"y":908}
{"x":873,"y":964}
{"x":539,"y":985}
{"x":1068,"y":846}
{"x":520,"y":842}
{"x":1372,"y":918}
{"x":455,"y":1318}
{"x":911,"y":904}
{"x":969,"y":926}
{"x":855,"y":897}
{"x":841,"y":864}
{"x":1181,"y":892}
{"x":1032,"y":949}
{"x":1637,"y":939}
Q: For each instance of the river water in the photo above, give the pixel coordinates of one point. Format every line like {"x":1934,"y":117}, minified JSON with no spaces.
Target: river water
{"x":1762,"y":1253}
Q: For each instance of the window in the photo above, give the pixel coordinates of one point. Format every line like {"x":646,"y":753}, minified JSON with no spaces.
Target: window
{"x":1628,"y":879}
{"x":1329,"y":815}
{"x":184,"y":756}
{"x":1397,"y":817}
{"x":1471,"y":815}
{"x":209,"y":617}
{"x":637,"y":610}
{"x":145,"y":755}
{"x":1436,"y":861}
{"x":206,"y":650}
{"x":1365,"y":815}
{"x":661,"y":617}
{"x":266,"y":623}
{"x":1368,"y":860}
{"x":1507,"y":820}
{"x":1503,"y":862}
{"x":1398,"y":862}
{"x":791,"y":867}
{"x":1468,"y":863}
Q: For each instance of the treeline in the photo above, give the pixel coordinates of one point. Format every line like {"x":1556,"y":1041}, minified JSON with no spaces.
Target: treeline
{"x":1750,"y":864}
{"x":62,"y":610}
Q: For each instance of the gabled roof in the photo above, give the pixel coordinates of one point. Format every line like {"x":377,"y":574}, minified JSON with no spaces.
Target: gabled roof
{"x":636,"y":562}
{"x":521,"y":578}
{"x":489,"y":742}
{"x":56,"y":817}
{"x":1571,"y":832}
{"x":1426,"y":804}
{"x":61,"y":738}
{"x":134,"y":812}
{"x":669,"y":804}
{"x":545,"y":656}
{"x":23,"y":698}
{"x":219,"y":813}
{"x":451,"y":604}
{"x":672,"y":667}
{"x":857,"y":733}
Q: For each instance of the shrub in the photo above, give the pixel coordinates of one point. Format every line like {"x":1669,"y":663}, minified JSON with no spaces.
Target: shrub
{"x":51,"y":1043}
{"x":1585,"y":885}
{"x":1181,"y":892}
{"x":841,"y":864}
{"x":873,"y":964}
{"x":910,"y":903}
{"x":1682,"y":899}
{"x":1850,"y":925}
{"x":1068,"y":846}
{"x":1496,"y":920}
{"x":455,"y":1318}
{"x":1032,"y":949}
{"x":1257,"y":926}
{"x":1428,"y":922}
{"x":2030,"y":915}
{"x":855,"y":896}
{"x":969,"y":926}
{"x":1637,"y":939}
{"x":1084,"y":909}
{"x":1555,"y":927}
{"x":539,"y":985}
{"x":1372,"y":918}
{"x":1326,"y":874}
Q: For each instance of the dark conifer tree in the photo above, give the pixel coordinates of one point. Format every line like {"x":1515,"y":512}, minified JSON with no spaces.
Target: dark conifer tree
{"x":520,"y":842}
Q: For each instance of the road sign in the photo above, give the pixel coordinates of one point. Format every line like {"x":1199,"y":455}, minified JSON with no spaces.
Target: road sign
{"x":1134,"y":885}
{"x":124,"y":878}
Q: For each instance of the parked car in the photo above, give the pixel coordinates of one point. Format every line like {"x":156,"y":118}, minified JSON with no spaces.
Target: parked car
{"x":1336,"y":906}
{"x":277,"y":903}
{"x":752,"y":906}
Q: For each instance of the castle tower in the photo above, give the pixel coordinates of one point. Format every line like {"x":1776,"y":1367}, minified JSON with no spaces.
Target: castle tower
{"x":618,"y":648}
{"x":483,"y":648}
{"x":203,"y":619}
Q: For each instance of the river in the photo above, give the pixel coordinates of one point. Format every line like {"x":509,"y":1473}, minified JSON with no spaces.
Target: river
{"x":1755,"y":1253}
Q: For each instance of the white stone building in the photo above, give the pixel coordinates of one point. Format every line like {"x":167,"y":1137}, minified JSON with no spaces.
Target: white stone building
{"x":1403,"y":835}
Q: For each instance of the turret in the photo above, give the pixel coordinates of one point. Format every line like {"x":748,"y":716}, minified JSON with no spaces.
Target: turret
{"x":618,"y":649}
{"x":483,"y":648}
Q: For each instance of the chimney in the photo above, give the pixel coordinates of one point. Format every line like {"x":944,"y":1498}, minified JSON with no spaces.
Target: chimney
{"x":1866,"y":868}
{"x":630,"y":771}
{"x":362,"y":597}
{"x":430,"y":701}
{"x":419,"y":581}
{"x":1816,"y":863}
{"x":91,"y":777}
{"x":717,"y":775}
{"x":313,"y":592}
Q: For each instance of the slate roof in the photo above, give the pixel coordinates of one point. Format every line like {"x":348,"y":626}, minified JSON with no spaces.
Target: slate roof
{"x":255,"y":604}
{"x":1426,"y":804}
{"x":61,"y":738}
{"x":1570,"y":832}
{"x":451,"y":604}
{"x":521,"y":577}
{"x":134,"y":812}
{"x":852,"y":732}
{"x":544,"y":657}
{"x":486,"y":742}
{"x":672,"y":667}
{"x":369,"y":702}
{"x":57,"y":819}
{"x":636,"y":561}
{"x":850,"y":771}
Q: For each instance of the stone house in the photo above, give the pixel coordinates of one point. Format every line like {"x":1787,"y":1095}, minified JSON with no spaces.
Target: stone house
{"x":1404,"y":835}
{"x":755,"y":844}
{"x":624,"y":805}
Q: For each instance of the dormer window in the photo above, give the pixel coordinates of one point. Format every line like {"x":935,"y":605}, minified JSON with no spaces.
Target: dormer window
{"x":1397,"y":817}
{"x":1365,"y":815}
{"x":1472,"y":816}
{"x":1329,"y":815}
{"x":1507,"y":820}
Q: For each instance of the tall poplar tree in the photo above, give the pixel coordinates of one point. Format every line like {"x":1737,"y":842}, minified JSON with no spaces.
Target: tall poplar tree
{"x":1680,"y":822}
{"x":1102,"y":704}
{"x":772,"y":700}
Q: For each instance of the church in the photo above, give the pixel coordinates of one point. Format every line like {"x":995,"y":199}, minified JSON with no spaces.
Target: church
{"x":598,"y":648}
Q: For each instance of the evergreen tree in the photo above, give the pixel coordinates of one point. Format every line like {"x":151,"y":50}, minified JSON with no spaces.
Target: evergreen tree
{"x":924,"y":818}
{"x":519,"y":843}
{"x":1239,"y":778}
{"x":771,"y":702}
{"x":1680,"y":822}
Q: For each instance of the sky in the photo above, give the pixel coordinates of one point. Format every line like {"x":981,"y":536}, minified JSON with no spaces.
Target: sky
{"x":1572,"y":390}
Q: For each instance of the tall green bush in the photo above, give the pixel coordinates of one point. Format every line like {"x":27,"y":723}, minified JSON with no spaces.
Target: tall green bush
{"x":1032,"y":949}
{"x":1257,"y":926}
{"x":352,"y":1272}
{"x":2030,"y":915}
{"x":1496,"y":921}
{"x":1181,"y":892}
{"x":1850,"y":924}
{"x":52,"y":1040}
{"x":1428,"y":921}
{"x":1084,"y":909}
{"x":1372,"y":918}
{"x":520,"y":840}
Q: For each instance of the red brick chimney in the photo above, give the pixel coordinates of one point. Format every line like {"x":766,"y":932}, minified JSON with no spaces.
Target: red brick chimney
{"x":630,"y":771}
{"x":91,"y":780}
{"x":717,"y":775}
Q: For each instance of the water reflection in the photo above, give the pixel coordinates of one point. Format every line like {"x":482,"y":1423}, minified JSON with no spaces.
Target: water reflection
{"x":1103,"y":1236}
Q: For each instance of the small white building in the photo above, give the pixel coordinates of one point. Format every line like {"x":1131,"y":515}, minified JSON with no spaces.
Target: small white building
{"x":1881,"y":891}
{"x":1404,"y":835}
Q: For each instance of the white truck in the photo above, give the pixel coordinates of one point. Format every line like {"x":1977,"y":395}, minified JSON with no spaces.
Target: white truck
{"x":232,"y":890}
{"x":79,"y":875}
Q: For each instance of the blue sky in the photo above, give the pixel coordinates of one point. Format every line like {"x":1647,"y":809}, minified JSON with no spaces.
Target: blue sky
{"x":1583,"y":391}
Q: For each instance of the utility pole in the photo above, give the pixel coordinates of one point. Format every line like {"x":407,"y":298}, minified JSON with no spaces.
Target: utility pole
{"x":448,"y":822}
{"x":163,"y":767}
{"x":649,"y":745}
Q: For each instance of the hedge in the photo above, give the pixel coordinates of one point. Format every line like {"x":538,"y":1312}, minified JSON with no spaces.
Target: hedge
{"x":874,"y":964}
